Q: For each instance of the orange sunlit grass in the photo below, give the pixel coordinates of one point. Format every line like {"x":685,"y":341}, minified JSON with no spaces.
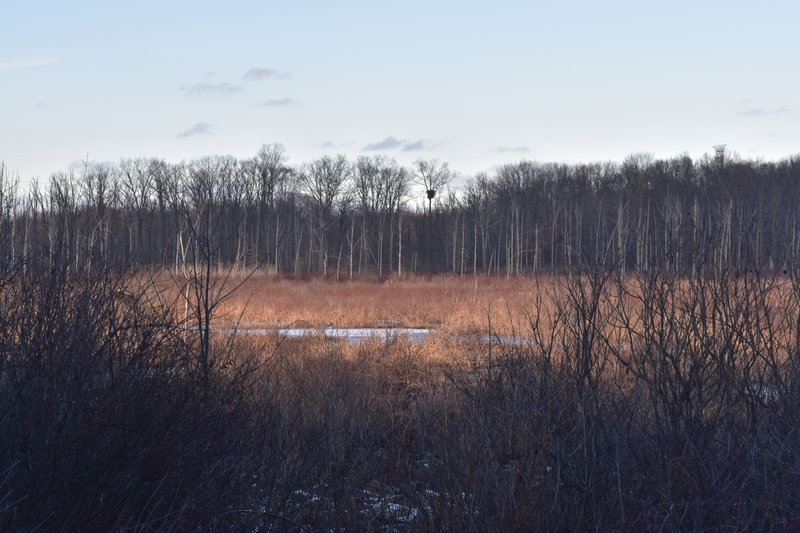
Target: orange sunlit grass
{"x":454,"y":304}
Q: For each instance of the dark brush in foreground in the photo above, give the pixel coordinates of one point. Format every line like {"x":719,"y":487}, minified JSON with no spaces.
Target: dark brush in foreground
{"x":652,"y":402}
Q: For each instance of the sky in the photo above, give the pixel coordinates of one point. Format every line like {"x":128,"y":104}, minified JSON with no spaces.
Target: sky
{"x":473,"y":83}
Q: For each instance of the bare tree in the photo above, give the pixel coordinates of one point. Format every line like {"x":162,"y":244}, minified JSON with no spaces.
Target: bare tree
{"x":380,"y":185}
{"x":398,"y":181}
{"x":324,"y":181}
{"x":8,"y":217}
{"x":432,"y":175}
{"x":206,"y":198}
{"x":270,"y":174}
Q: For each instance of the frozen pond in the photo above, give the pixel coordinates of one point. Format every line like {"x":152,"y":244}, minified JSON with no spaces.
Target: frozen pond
{"x":385,"y":334}
{"x":351,"y":335}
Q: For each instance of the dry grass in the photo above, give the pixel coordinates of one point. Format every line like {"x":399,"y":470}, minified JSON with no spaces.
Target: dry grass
{"x":458,"y":306}
{"x":452,"y":304}
{"x":525,"y":307}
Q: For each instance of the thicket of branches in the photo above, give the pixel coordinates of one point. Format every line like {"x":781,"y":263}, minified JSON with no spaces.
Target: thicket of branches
{"x":373,"y":215}
{"x":652,"y":401}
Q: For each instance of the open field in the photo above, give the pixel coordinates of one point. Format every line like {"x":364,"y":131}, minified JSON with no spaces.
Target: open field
{"x":453,"y":304}
{"x":733,"y":309}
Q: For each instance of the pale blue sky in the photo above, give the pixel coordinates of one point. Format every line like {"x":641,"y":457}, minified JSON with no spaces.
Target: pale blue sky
{"x":474,"y":83}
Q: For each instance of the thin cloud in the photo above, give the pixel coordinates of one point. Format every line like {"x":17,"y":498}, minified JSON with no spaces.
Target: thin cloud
{"x":333,"y":144}
{"x":279,"y":102}
{"x":200,"y":128}
{"x":762,"y":111}
{"x":513,"y":149}
{"x":389,"y":143}
{"x":206,"y":87}
{"x":259,"y":74}
{"x":46,"y":105}
{"x":415,"y":146}
{"x":27,"y":63}
{"x":393,"y":143}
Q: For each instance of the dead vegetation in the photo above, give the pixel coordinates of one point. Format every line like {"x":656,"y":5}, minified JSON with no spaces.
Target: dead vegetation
{"x":450,"y":303}
{"x":638,"y":403}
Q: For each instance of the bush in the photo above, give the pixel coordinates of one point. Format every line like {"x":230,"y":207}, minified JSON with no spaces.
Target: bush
{"x":650,"y":402}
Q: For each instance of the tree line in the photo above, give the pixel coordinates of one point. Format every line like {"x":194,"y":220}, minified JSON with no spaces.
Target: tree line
{"x":372,"y":215}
